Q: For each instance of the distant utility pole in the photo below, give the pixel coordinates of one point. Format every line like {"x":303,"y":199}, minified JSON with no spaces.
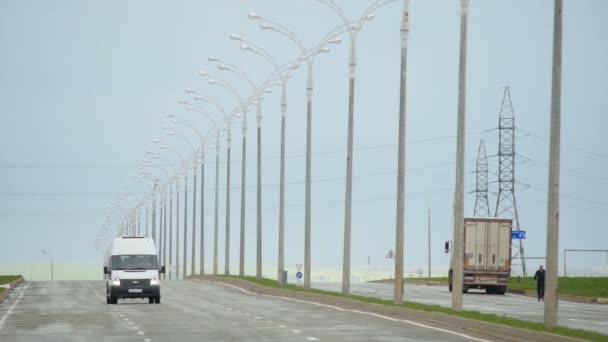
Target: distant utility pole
{"x":429,"y":238}
{"x":458,"y":248}
{"x":551,"y":287}
{"x":482,"y":207}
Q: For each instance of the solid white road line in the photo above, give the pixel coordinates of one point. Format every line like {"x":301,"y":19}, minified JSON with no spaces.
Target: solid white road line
{"x":10,"y":310}
{"x":363,"y":313}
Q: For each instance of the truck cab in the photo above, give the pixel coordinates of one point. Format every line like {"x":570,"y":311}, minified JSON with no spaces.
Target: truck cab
{"x":131,"y":270}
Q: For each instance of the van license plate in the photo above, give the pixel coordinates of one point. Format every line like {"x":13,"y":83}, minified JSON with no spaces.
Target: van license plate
{"x":135,"y":290}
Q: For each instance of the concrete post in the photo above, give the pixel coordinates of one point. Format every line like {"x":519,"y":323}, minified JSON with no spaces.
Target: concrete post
{"x":551,"y":285}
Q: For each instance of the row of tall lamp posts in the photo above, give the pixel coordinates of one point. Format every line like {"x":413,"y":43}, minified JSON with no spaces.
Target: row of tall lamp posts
{"x":550,"y":308}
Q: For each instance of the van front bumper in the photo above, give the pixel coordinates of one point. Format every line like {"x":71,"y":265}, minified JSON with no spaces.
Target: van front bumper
{"x":135,"y":291}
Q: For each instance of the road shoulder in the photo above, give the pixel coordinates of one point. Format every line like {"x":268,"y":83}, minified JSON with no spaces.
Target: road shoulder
{"x":488,"y":330}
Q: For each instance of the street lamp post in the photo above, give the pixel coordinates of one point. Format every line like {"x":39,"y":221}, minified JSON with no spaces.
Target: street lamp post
{"x":51,"y":258}
{"x":195,"y":153}
{"x":353,"y":33}
{"x":185,"y":164}
{"x":224,"y":66}
{"x":399,"y":255}
{"x":284,"y":78}
{"x":182,"y":121}
{"x":309,"y":92}
{"x":217,"y":81}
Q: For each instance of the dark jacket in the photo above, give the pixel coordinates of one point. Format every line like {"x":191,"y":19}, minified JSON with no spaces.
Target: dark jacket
{"x":539,"y":276}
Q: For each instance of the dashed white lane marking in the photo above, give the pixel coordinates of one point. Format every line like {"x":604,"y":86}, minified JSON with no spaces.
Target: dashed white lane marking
{"x":132,"y":323}
{"x":147,"y":340}
{"x":248,"y":314}
{"x":310,"y":338}
{"x":363,"y":313}
{"x":10,"y":310}
{"x":126,"y":319}
{"x":140,"y":332}
{"x":282,"y":326}
{"x":296,"y":331}
{"x":257,"y":317}
{"x":134,"y":328}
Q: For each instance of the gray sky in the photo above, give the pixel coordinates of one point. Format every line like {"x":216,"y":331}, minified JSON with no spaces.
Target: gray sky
{"x":84,"y":86}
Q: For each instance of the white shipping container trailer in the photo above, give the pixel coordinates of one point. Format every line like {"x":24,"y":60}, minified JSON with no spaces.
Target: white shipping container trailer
{"x":487,"y":254}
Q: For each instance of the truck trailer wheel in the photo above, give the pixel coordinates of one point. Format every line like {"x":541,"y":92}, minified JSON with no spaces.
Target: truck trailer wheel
{"x":150,"y":300}
{"x":157,"y":300}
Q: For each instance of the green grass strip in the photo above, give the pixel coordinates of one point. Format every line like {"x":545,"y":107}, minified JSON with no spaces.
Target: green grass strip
{"x":475,"y":315}
{"x":5,"y":279}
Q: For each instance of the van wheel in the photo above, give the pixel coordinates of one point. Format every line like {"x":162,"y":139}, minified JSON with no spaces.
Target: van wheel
{"x":450,"y":288}
{"x":108,"y":300}
{"x":157,"y":300}
{"x":465,"y":289}
{"x":113,"y":300}
{"x":151,"y":300}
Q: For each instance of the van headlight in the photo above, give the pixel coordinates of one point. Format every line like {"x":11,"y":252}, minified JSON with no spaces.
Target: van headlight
{"x":154,"y":282}
{"x":116,"y":282}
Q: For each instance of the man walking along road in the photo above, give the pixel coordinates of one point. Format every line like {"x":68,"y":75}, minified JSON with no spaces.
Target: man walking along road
{"x":539,"y":277}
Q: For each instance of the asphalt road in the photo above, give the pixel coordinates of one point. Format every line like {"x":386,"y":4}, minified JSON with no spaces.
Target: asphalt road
{"x":192,"y":311}
{"x":593,"y":317}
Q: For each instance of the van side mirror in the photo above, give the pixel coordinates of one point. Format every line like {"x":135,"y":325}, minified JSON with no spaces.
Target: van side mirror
{"x":447,"y":247}
{"x":106,"y":270}
{"x":162,"y":269}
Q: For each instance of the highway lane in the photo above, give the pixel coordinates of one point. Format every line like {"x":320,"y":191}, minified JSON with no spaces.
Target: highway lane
{"x":191,"y":311}
{"x":593,"y":317}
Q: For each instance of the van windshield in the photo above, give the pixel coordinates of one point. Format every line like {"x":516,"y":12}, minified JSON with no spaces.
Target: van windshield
{"x":134,"y":262}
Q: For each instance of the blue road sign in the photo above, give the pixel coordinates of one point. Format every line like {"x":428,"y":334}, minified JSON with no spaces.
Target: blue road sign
{"x":518,"y":234}
{"x":299,"y":275}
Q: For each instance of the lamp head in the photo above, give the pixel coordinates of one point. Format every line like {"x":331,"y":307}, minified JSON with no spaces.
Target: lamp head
{"x":213,"y":59}
{"x":253,"y":16}
{"x":235,"y":36}
{"x":182,"y":101}
{"x":169,"y":115}
{"x":156,"y":141}
{"x":190,"y":91}
{"x":202,"y":73}
{"x":245,"y":47}
{"x":223,"y":67}
{"x":336,"y":40}
{"x":370,"y":17}
{"x":266,"y":26}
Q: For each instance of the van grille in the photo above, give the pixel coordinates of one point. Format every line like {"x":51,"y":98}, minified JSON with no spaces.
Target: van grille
{"x":136,"y":282}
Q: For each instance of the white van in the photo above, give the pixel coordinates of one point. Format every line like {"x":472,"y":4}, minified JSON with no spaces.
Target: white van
{"x":132,"y":270}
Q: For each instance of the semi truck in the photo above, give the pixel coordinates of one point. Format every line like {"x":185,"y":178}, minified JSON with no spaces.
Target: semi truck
{"x":487,"y":255}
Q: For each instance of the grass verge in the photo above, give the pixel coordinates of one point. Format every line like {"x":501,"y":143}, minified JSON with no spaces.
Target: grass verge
{"x":5,"y":279}
{"x":475,"y":315}
{"x":580,"y":286}
{"x":577,"y":286}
